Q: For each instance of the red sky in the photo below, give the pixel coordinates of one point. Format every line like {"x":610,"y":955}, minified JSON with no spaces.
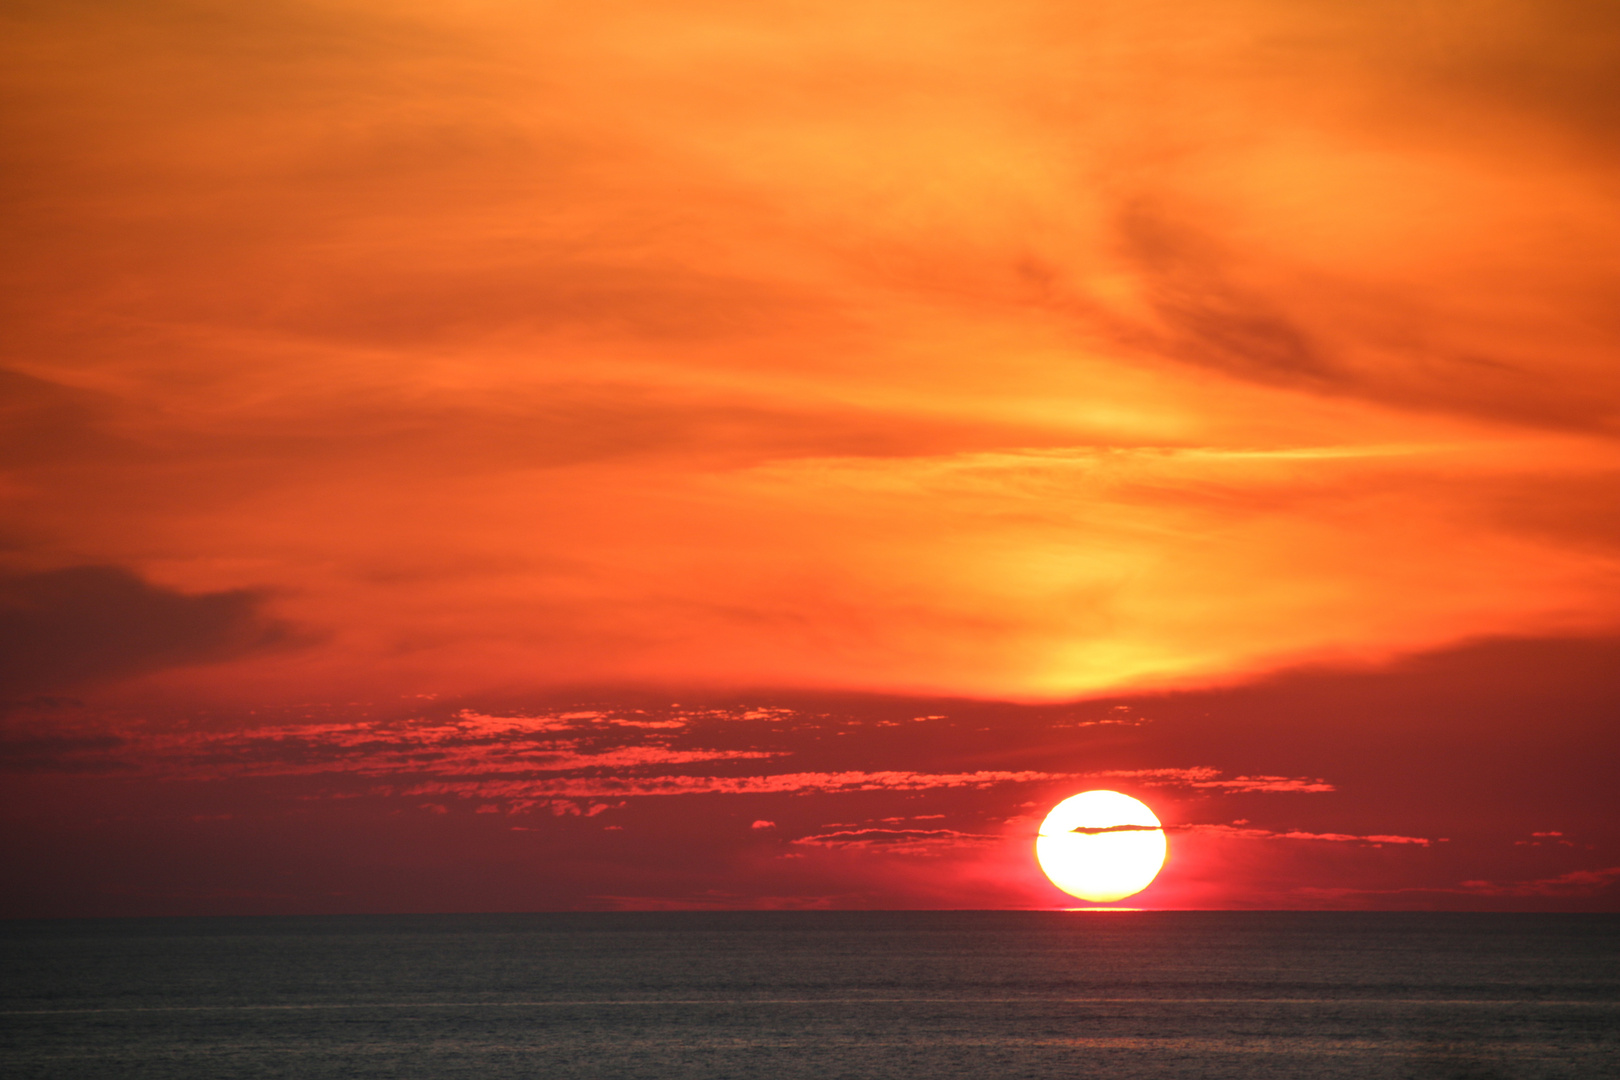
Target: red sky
{"x":504,"y":456}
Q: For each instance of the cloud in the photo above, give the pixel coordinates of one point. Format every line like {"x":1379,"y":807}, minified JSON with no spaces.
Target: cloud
{"x":1239,"y":832}
{"x":90,"y":624}
{"x":1573,"y":883}
{"x":482,"y":725}
{"x":45,"y":421}
{"x":574,"y":754}
{"x":376,"y":751}
{"x":777,"y":784}
{"x":817,"y":782}
{"x":1525,"y":729}
{"x":570,"y":808}
{"x":1210,"y":779}
{"x":62,"y":753}
{"x":905,"y":840}
{"x":894,"y":371}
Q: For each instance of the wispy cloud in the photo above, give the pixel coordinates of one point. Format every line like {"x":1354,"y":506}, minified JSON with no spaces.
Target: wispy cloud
{"x":623,"y":375}
{"x":1242,"y":831}
{"x":1573,"y":883}
{"x":905,"y":840}
{"x":1211,"y":779}
{"x":779,"y":783}
{"x":563,"y":754}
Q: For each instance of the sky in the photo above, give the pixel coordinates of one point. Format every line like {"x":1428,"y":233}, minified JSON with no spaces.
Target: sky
{"x":503,"y":456}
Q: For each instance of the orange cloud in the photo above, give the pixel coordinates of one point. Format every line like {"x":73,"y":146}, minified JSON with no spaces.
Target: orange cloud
{"x":1017,"y":352}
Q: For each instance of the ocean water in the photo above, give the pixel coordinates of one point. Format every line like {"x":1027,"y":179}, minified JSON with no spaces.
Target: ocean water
{"x":821,"y":995}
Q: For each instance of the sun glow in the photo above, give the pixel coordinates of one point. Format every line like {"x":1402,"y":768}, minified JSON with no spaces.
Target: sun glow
{"x":1101,"y":846}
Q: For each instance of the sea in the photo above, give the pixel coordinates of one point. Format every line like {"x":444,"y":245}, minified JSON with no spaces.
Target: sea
{"x":814,"y":994}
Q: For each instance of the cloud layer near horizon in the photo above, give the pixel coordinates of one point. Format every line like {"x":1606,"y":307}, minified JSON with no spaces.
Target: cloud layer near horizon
{"x":1018,"y":351}
{"x":1481,"y":778}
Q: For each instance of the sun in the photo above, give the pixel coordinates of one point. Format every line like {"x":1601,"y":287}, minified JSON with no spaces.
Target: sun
{"x":1101,"y":845}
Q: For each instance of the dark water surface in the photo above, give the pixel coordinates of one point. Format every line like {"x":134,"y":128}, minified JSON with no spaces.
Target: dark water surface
{"x":815,"y":994}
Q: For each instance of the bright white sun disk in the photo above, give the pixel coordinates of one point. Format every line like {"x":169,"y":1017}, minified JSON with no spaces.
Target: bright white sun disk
{"x":1118,"y":849}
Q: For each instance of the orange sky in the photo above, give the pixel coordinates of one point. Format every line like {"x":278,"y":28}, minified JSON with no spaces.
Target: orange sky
{"x":1033,"y":352}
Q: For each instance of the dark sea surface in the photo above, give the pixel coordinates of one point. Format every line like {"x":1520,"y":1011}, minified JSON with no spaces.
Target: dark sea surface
{"x":815,"y":994}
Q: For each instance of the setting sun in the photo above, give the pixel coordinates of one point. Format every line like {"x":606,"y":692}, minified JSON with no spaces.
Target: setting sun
{"x":1101,"y":846}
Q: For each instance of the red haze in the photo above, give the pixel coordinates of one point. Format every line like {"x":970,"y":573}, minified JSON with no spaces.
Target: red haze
{"x":951,"y":406}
